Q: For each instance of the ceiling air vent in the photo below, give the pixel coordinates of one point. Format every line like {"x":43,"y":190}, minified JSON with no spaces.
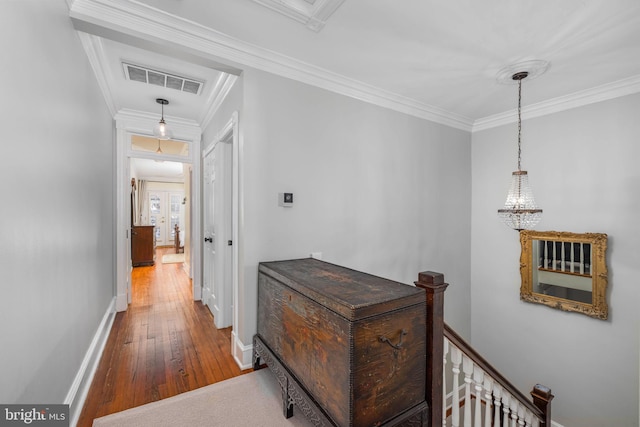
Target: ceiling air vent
{"x":138,"y":73}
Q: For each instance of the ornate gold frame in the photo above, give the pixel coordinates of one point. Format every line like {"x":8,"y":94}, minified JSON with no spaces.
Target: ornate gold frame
{"x":598,"y":307}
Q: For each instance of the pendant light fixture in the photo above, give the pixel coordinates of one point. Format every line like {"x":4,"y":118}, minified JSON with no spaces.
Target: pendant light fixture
{"x":159,"y":151}
{"x":161,"y":130}
{"x":520,"y":211}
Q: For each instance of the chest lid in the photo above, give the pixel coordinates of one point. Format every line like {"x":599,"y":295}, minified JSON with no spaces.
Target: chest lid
{"x":350,"y":293}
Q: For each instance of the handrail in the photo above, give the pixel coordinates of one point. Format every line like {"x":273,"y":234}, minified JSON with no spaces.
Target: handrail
{"x":459,"y":342}
{"x":437,"y":332}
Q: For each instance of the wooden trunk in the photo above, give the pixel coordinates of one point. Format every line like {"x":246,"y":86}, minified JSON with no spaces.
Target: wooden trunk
{"x":348,"y":348}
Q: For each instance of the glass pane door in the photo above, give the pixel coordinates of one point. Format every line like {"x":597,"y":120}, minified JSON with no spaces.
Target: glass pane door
{"x":157,"y":216}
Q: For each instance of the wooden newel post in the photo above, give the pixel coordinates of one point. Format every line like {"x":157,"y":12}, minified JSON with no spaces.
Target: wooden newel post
{"x":542,"y":398}
{"x":433,"y":284}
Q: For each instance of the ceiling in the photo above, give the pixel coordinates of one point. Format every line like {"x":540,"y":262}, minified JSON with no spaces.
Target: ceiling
{"x":434,"y":59}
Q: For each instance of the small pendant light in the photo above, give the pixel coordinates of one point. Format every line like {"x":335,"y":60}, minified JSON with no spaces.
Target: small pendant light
{"x":161,"y":130}
{"x":520,"y":211}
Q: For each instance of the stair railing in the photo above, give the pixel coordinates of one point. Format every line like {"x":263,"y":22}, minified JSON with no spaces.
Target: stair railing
{"x":497,"y":402}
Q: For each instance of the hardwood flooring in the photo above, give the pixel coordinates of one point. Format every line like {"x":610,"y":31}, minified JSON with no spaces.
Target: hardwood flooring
{"x":163,"y":345}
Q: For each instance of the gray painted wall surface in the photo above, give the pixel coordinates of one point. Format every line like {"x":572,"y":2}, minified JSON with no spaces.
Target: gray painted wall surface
{"x":374,"y":190}
{"x":56,"y":255}
{"x":584,"y":173}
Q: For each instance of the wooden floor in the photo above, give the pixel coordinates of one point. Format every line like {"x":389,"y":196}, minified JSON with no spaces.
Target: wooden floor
{"x":163,"y":345}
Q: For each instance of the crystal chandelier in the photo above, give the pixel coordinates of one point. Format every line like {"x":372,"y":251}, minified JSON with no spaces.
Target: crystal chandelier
{"x":520,"y":211}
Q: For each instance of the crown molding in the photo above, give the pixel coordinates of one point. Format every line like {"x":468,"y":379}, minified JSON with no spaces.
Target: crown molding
{"x":222,"y":87}
{"x":93,"y":48}
{"x":142,"y":122}
{"x":604,"y":92}
{"x":313,"y":16}
{"x":135,"y":19}
{"x":95,"y":53}
{"x":145,"y":22}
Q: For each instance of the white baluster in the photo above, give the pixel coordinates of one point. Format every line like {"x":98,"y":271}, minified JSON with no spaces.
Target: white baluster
{"x":528,"y":418}
{"x":505,"y":409}
{"x":546,"y":254}
{"x":456,"y":359}
{"x":572,"y":256}
{"x":478,"y":379}
{"x":497,"y":393}
{"x":444,"y":382}
{"x":467,"y":367}
{"x":521,"y":410}
{"x":536,"y":422}
{"x":514,"y":412}
{"x":488,"y":386}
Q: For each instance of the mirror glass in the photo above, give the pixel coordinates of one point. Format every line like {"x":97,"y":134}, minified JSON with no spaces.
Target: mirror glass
{"x":565,"y":271}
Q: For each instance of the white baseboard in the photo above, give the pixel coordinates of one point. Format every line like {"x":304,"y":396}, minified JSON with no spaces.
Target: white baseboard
{"x":243,"y":354}
{"x":80,"y":387}
{"x":121,"y":302}
{"x":555,"y":424}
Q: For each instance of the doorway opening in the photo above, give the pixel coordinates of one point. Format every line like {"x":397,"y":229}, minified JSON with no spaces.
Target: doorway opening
{"x":160,"y":211}
{"x":156,"y":180}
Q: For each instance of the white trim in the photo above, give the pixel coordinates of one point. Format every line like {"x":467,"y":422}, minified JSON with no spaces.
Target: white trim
{"x":218,"y":95}
{"x":196,"y":225}
{"x":121,"y":302}
{"x":123,"y":239}
{"x":142,"y":122}
{"x":243,"y":354}
{"x":555,"y":424}
{"x":231,"y":128}
{"x":578,"y":99}
{"x":129,"y":122}
{"x":313,"y":16}
{"x":77,"y":394}
{"x":146,"y":22}
{"x":93,"y":48}
{"x":238,"y":216}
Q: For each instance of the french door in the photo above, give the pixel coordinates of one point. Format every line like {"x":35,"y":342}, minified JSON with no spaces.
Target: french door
{"x":164,"y":213}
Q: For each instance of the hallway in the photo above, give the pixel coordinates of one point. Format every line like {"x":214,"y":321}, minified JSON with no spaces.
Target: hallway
{"x":163,"y":345}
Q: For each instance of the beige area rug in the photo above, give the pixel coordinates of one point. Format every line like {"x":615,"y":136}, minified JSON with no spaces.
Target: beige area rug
{"x":172,"y":258}
{"x":252,"y":399}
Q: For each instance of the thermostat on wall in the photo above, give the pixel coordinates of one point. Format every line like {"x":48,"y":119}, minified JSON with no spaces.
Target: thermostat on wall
{"x":285,"y":199}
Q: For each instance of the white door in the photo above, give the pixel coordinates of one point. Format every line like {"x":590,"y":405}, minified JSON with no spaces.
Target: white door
{"x":164,"y":214}
{"x":218,"y":254}
{"x":208,"y":253}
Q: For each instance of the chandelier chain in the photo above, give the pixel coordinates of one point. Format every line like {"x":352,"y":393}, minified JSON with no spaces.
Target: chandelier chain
{"x":519,"y":122}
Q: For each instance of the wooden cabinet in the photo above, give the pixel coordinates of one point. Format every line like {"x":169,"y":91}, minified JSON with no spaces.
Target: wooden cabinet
{"x":348,"y":348}
{"x":143,"y":245}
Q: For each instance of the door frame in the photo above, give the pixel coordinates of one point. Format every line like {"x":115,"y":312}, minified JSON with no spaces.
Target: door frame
{"x":129,"y":123}
{"x":229,"y":135}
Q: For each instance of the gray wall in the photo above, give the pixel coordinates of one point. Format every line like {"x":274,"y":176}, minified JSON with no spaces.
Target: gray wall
{"x":374,"y":190}
{"x":583,"y":168}
{"x":56,"y":256}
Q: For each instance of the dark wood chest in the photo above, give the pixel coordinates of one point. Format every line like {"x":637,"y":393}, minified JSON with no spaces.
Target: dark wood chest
{"x":348,"y":348}
{"x":143,"y":245}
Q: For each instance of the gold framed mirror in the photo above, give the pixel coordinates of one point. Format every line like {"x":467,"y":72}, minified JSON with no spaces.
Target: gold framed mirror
{"x":565,"y":270}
